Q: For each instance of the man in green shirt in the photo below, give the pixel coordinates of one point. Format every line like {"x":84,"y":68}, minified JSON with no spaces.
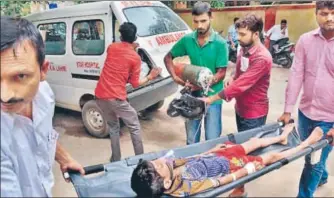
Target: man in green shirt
{"x":205,"y":48}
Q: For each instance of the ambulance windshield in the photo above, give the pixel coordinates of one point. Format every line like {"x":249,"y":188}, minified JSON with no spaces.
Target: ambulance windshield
{"x":153,"y":20}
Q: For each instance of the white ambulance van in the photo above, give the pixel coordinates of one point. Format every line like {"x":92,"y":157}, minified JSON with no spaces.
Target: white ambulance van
{"x":77,"y":37}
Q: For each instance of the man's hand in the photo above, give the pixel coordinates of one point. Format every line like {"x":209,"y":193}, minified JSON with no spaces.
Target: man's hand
{"x":211,"y":99}
{"x":285,"y":118}
{"x":216,"y":148}
{"x":233,"y":45}
{"x":212,"y":81}
{"x":135,"y":45}
{"x":331,"y":133}
{"x":207,"y":100}
{"x":66,"y":162}
{"x":283,"y":31}
{"x":71,"y":165}
{"x":155,"y":71}
{"x":192,"y":86}
{"x":228,"y":82}
{"x":178,"y":80}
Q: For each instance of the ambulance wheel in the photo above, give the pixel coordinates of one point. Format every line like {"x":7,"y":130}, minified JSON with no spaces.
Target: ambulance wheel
{"x":93,"y":120}
{"x":156,"y":106}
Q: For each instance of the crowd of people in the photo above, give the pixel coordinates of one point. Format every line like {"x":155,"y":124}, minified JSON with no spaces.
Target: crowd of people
{"x":29,"y":144}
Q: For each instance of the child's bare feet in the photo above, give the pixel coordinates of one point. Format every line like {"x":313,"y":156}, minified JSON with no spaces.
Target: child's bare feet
{"x":285,"y":134}
{"x":315,"y":136}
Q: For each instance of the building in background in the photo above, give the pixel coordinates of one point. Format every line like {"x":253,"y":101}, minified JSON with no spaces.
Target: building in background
{"x":221,"y":4}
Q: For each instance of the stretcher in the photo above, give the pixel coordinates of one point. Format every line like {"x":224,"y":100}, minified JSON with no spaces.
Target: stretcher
{"x":113,"y":179}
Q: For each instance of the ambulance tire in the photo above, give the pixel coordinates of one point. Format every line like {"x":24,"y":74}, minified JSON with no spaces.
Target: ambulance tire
{"x":156,"y":106}
{"x":93,"y":120}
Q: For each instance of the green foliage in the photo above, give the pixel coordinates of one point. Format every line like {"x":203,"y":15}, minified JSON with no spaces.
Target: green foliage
{"x":15,"y":8}
{"x":217,"y":4}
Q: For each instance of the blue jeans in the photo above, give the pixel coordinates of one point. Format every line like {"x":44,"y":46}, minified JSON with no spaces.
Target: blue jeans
{"x":244,"y":124}
{"x":212,"y":124}
{"x":312,"y":175}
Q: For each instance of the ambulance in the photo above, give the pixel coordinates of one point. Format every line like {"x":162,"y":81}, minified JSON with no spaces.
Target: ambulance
{"x":76,"y":40}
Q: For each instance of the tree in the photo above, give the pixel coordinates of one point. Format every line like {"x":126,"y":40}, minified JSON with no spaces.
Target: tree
{"x":14,"y":8}
{"x":217,"y":4}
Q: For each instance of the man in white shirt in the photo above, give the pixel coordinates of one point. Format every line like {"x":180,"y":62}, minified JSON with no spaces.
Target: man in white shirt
{"x":276,"y":33}
{"x":233,"y":34}
{"x":29,"y":143}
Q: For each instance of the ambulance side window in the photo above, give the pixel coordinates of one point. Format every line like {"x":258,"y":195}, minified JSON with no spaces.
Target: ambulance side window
{"x":54,"y":36}
{"x":88,"y":37}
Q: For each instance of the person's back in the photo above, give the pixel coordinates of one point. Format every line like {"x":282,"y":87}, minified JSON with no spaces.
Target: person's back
{"x":121,"y":59}
{"x":122,"y":66}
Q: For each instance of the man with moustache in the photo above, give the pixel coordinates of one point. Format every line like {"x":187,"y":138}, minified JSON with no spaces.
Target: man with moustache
{"x":250,"y":83}
{"x":313,"y":70}
{"x":29,"y":143}
{"x":205,"y":48}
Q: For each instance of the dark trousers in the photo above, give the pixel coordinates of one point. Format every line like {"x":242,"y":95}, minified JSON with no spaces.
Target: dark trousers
{"x":271,"y":46}
{"x":244,"y":124}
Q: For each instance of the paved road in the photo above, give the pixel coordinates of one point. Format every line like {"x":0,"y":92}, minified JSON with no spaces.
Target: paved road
{"x":164,"y":132}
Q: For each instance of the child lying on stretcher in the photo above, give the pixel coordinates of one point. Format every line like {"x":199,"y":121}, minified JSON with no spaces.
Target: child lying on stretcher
{"x":218,"y":166}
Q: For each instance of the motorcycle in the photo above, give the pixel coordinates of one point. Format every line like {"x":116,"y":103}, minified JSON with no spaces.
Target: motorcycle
{"x":283,"y":52}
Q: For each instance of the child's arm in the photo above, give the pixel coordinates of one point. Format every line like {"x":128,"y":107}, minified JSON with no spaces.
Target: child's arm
{"x":216,"y":148}
{"x":193,"y":187}
{"x":179,"y":162}
{"x":246,"y":170}
{"x":189,"y":188}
